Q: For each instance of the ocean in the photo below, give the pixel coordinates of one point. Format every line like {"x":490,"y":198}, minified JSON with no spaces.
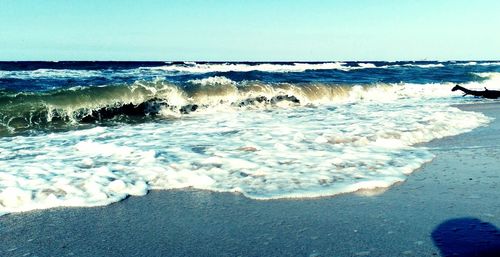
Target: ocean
{"x":94,"y":133}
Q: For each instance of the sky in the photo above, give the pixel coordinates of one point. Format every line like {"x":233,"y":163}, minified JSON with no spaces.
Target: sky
{"x":258,"y":30}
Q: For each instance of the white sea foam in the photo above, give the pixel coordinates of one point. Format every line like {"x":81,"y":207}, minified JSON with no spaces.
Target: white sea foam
{"x":466,"y":64}
{"x":193,"y":67}
{"x":212,"y":81}
{"x":50,"y":73}
{"x":473,"y":63}
{"x":492,"y":81}
{"x":321,"y":148}
{"x":430,"y":65}
{"x":367,"y":65}
{"x":74,"y":74}
{"x":489,"y":64}
{"x":265,"y":67}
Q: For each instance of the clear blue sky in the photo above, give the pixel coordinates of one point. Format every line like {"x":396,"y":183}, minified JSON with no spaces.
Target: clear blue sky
{"x":264,"y":30}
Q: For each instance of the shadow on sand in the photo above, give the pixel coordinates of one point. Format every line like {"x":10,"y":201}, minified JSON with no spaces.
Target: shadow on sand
{"x":467,"y":237}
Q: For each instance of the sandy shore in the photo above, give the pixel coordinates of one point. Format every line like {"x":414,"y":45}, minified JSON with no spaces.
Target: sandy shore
{"x":455,"y":198}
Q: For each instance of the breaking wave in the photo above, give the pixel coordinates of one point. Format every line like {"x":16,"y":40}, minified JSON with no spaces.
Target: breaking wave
{"x":141,"y":100}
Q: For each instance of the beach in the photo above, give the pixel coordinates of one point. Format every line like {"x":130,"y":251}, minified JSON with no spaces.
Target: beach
{"x":404,"y":220}
{"x":252,"y":128}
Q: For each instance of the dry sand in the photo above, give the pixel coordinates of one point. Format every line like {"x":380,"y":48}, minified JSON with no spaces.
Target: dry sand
{"x":451,"y":202}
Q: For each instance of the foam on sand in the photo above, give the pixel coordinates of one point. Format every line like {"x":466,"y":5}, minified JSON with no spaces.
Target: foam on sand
{"x":311,"y":150}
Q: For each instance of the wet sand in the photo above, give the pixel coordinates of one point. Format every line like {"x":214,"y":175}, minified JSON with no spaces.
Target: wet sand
{"x":415,"y":218}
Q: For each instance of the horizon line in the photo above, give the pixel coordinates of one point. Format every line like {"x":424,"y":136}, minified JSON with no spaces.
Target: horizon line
{"x":262,"y":61}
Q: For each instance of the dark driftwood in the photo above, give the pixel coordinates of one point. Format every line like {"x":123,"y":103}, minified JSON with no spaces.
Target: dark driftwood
{"x":492,"y":94}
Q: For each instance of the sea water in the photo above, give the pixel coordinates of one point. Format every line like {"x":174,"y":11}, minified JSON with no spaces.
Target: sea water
{"x":93,"y":133}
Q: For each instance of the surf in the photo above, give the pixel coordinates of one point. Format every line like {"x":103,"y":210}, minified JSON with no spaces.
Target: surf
{"x":143,"y":101}
{"x":95,"y":144}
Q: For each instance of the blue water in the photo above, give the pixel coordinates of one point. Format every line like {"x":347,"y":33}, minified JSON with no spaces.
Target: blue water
{"x":92,"y":133}
{"x":16,"y":76}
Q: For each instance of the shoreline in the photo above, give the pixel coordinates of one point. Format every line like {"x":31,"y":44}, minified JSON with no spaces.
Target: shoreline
{"x":461,"y":182}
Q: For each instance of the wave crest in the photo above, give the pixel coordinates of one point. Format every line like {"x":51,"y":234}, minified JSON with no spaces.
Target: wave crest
{"x":193,"y":67}
{"x":141,"y":100}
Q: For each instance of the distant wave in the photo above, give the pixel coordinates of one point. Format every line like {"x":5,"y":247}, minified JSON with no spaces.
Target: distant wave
{"x":412,"y":65}
{"x":466,"y":64}
{"x":489,"y":64}
{"x":367,"y":65}
{"x":50,"y":73}
{"x":174,"y":68}
{"x":186,"y":68}
{"x":430,"y":65}
{"x":478,"y":63}
{"x":192,"y":67}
